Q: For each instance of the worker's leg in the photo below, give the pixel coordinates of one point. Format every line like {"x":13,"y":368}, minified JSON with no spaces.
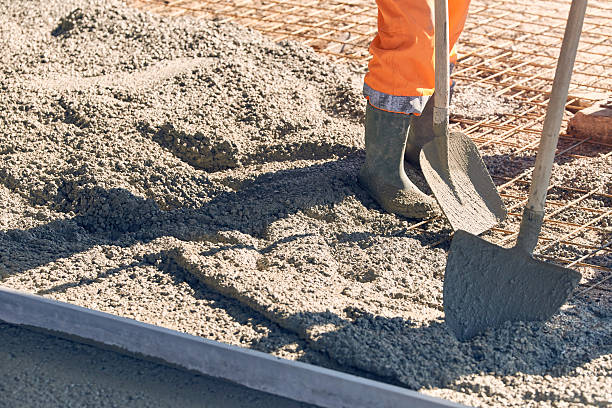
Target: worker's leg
{"x":398,"y":85}
{"x":401,"y":76}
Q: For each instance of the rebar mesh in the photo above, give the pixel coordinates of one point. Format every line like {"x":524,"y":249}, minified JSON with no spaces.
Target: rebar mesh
{"x":509,"y":48}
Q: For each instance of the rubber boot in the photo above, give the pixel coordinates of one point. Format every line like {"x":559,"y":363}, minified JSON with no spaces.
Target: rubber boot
{"x":383,"y":175}
{"x":421,"y":130}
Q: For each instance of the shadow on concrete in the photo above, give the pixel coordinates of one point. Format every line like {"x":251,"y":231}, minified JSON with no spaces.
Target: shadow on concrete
{"x":117,"y":217}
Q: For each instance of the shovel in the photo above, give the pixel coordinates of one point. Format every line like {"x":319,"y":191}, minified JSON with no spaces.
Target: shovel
{"x":486,"y":285}
{"x":450,"y":162}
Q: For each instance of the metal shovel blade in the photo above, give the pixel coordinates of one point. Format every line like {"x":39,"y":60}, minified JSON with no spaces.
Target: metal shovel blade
{"x":461,"y":183}
{"x":486,"y":285}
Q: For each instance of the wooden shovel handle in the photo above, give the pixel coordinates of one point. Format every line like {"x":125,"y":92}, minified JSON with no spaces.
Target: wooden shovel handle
{"x":440,"y":115}
{"x":556,"y":106}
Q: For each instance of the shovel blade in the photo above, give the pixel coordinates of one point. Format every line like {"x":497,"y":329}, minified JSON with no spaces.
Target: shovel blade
{"x":461,"y":183}
{"x":486,"y":285}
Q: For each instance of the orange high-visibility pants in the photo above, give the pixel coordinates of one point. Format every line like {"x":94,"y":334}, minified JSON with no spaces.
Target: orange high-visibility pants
{"x":400,"y":75}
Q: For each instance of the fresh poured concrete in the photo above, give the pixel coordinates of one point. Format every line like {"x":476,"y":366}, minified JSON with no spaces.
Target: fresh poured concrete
{"x":43,"y":371}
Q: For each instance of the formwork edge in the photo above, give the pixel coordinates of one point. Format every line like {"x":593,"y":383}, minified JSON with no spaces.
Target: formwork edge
{"x":257,"y":370}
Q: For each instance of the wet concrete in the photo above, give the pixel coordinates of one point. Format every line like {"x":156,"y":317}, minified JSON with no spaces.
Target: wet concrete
{"x":41,"y":370}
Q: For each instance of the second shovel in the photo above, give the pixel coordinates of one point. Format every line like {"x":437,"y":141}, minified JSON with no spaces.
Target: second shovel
{"x":450,"y":162}
{"x":486,"y":285}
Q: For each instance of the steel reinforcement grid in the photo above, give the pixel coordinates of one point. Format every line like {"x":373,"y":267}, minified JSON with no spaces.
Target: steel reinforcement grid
{"x":509,"y":48}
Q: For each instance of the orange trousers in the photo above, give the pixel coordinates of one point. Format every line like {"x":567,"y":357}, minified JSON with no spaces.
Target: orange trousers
{"x":400,"y":74}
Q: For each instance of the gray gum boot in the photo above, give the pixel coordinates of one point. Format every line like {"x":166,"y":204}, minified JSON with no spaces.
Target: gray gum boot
{"x":421,"y":132}
{"x":383,"y":175}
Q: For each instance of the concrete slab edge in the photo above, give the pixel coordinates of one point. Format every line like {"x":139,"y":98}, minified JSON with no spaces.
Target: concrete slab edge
{"x":260,"y":371}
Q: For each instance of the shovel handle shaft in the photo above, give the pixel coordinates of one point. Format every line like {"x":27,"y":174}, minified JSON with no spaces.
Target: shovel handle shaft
{"x":441,"y":96}
{"x":556,"y":106}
